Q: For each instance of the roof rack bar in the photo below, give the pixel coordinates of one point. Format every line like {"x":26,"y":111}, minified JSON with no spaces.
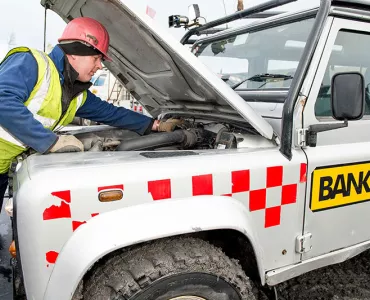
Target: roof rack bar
{"x":235,"y":16}
{"x":206,"y":32}
{"x":263,"y":15}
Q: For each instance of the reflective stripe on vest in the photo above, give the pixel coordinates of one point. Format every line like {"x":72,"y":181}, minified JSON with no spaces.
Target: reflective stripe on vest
{"x":8,"y":137}
{"x":34,"y":105}
{"x":44,"y":102}
{"x":80,"y":98}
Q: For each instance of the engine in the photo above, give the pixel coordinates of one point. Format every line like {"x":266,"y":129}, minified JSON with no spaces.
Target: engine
{"x":188,"y":136}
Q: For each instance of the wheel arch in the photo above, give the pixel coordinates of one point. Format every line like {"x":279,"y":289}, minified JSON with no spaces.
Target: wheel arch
{"x":223,"y":221}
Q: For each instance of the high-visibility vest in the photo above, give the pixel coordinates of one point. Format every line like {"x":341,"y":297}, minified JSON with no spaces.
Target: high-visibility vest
{"x":45,"y":104}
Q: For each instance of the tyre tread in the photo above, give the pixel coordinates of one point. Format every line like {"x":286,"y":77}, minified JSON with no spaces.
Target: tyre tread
{"x":135,"y":269}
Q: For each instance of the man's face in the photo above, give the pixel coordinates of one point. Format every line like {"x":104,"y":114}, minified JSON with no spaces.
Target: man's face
{"x":86,"y":66}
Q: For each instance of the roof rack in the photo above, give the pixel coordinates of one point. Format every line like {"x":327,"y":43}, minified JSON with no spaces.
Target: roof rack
{"x":257,"y":11}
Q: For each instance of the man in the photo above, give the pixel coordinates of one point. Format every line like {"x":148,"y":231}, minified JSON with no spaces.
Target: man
{"x":40,"y":93}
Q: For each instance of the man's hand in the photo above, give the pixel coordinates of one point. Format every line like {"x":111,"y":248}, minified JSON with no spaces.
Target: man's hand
{"x":67,"y":143}
{"x":169,"y":125}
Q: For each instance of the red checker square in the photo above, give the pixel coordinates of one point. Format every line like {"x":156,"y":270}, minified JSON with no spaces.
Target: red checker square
{"x":257,"y":200}
{"x":111,"y":187}
{"x":76,"y":224}
{"x":272,"y":216}
{"x":202,"y":185}
{"x":240,"y":180}
{"x":303,"y":175}
{"x":51,"y":257}
{"x":57,"y":212}
{"x":274,"y":176}
{"x":160,"y":189}
{"x":64,"y":195}
{"x":289,"y":194}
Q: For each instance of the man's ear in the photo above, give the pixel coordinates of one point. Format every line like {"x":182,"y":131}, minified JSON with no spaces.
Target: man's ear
{"x":71,"y":57}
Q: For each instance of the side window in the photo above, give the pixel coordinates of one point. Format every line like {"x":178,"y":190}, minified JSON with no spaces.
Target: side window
{"x":349,"y":54}
{"x":100,"y":81}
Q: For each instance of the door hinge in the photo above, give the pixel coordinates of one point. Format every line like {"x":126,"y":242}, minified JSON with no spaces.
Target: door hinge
{"x":307,"y":137}
{"x":303,"y":243}
{"x":302,"y":137}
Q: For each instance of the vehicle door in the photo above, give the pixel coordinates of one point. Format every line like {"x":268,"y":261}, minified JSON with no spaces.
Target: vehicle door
{"x":338,"y":182}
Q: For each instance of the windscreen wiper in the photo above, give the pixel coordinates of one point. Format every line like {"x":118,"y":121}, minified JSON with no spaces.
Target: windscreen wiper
{"x":263,"y":78}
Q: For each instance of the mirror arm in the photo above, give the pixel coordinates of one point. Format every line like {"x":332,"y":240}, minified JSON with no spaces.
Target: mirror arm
{"x":311,"y":137}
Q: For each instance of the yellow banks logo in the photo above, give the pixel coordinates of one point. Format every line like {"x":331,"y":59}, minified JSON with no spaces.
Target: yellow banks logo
{"x":340,"y":185}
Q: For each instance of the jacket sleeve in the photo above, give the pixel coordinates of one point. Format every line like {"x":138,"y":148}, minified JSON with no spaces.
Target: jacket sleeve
{"x":101,"y":111}
{"x":18,"y":76}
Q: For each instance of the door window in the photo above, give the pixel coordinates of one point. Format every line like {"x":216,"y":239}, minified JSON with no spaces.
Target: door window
{"x":350,"y":53}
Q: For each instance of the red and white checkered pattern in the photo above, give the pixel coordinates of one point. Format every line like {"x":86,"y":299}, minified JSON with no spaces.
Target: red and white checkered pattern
{"x":268,"y":189}
{"x":278,"y":189}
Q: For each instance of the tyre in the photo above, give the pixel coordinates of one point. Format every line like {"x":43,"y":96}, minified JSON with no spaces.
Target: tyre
{"x":170,"y":269}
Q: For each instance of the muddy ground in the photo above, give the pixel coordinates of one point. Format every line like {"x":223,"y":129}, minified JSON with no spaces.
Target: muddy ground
{"x":6,"y":292}
{"x":348,"y":281}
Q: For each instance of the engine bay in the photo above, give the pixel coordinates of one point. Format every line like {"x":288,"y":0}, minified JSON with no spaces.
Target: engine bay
{"x":190,"y":135}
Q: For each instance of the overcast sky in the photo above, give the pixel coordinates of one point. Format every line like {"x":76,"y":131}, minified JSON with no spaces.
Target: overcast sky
{"x":24,"y":20}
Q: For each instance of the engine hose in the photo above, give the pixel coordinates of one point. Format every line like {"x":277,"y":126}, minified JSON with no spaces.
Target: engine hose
{"x":186,"y":138}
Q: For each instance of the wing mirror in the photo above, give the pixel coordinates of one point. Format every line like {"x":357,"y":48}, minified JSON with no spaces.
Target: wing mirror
{"x":347,"y":103}
{"x":348,"y":96}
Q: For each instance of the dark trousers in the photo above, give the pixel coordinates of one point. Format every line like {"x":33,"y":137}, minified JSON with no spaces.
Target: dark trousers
{"x":3,"y":186}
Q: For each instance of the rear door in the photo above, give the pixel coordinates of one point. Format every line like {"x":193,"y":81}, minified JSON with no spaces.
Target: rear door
{"x":338,"y":190}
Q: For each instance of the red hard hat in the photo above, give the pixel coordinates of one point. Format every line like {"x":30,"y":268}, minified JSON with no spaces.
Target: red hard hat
{"x":89,"y":31}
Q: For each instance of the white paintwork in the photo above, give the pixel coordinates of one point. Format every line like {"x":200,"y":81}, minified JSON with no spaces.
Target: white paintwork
{"x":280,"y":275}
{"x":123,"y":227}
{"x":83,"y":173}
{"x":349,"y":145}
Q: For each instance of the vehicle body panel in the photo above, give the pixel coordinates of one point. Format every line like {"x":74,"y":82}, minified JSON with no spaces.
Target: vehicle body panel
{"x":350,"y":145}
{"x":275,"y":277}
{"x":62,"y":193}
{"x":121,"y":228}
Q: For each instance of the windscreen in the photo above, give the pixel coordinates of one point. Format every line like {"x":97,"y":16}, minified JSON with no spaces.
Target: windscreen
{"x":264,"y":59}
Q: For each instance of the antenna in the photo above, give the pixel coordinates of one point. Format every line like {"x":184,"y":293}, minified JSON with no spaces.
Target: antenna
{"x":46,"y":8}
{"x":11,"y":40}
{"x":223,"y":1}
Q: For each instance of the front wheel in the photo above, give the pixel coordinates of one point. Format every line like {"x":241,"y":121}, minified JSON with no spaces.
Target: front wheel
{"x":170,"y":269}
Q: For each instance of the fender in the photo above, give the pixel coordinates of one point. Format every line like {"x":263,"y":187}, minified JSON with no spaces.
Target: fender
{"x":128,"y":226}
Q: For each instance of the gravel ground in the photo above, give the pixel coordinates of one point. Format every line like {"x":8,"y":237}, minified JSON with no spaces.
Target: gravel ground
{"x":347,"y":281}
{"x":6,"y":292}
